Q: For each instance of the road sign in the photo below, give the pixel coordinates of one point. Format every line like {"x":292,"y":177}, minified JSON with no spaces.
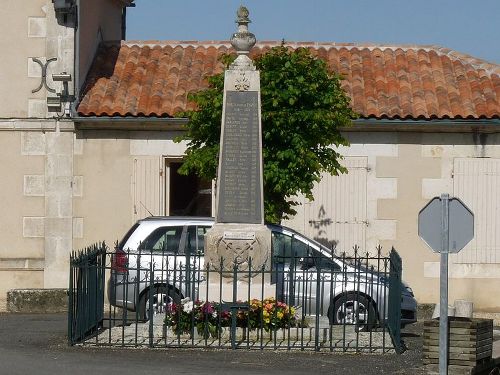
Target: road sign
{"x":446,"y":225}
{"x":460,"y":225}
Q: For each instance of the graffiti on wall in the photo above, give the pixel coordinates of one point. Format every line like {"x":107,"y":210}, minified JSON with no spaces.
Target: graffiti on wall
{"x":320,"y":227}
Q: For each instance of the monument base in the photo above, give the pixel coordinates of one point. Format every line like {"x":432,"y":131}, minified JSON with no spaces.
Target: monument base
{"x":225,"y":290}
{"x":244,"y":247}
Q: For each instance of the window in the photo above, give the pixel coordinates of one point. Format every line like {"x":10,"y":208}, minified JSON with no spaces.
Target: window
{"x":164,"y":239}
{"x":285,"y":248}
{"x":325,"y":264}
{"x":196,"y":240}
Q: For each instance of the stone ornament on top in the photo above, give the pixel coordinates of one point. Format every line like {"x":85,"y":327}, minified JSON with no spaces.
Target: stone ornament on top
{"x":243,"y":41}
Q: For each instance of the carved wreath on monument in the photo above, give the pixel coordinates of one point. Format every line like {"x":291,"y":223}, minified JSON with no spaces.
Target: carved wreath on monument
{"x":237,"y":252}
{"x":242,"y":82}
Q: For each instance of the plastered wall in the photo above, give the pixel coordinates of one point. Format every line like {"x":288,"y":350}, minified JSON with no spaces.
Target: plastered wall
{"x":406,"y":170}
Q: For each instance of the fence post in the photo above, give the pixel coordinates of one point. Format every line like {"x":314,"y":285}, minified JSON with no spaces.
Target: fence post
{"x":70,"y":301}
{"x":394,"y":313}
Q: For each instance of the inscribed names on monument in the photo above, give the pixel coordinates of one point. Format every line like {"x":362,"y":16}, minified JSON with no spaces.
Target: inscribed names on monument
{"x":239,"y":182}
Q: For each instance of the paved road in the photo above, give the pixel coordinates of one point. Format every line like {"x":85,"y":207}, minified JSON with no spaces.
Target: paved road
{"x":36,"y":344}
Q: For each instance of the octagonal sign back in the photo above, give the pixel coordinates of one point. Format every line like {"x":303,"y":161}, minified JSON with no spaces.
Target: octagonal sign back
{"x":460,"y":224}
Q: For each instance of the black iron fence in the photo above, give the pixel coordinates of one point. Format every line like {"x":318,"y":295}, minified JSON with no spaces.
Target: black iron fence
{"x":394,"y":313}
{"x":307,"y":302}
{"x":86,"y":292}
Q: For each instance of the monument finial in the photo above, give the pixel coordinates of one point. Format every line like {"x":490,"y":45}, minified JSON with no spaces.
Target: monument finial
{"x":243,"y":40}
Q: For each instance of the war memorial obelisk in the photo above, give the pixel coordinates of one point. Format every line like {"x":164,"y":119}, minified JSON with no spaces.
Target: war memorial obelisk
{"x":239,"y":233}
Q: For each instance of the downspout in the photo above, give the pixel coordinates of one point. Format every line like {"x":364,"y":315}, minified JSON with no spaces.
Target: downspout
{"x":124,"y":22}
{"x":76,"y":73}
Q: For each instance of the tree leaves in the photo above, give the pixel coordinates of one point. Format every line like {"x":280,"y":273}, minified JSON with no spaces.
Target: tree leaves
{"x":303,"y":108}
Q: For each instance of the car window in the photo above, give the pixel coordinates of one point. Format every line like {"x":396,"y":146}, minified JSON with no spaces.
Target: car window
{"x":325,"y":263}
{"x":163,"y":239}
{"x":127,"y":236}
{"x":196,"y":239}
{"x":288,"y":248}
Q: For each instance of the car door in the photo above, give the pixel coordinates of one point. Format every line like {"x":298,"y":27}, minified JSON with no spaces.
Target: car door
{"x":304,"y":276}
{"x":161,"y":256}
{"x":195,"y":259}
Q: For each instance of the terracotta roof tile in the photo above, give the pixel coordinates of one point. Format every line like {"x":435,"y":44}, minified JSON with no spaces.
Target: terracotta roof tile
{"x":395,"y":82}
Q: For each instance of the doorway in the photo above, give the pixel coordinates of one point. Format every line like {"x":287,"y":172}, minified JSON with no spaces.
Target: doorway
{"x":187,"y":195}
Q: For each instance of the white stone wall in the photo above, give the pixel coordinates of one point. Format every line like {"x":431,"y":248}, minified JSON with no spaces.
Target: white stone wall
{"x":405,"y":170}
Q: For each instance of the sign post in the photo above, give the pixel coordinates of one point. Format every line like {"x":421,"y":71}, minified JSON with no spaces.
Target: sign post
{"x":446,"y":225}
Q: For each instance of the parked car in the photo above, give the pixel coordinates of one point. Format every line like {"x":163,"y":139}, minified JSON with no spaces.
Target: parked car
{"x":351,"y":293}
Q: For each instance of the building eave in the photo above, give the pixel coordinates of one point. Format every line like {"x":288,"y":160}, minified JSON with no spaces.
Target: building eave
{"x":130,"y":123}
{"x":426,"y":126}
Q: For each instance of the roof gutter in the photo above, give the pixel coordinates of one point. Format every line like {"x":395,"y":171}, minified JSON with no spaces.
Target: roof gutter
{"x":130,"y":123}
{"x":424,"y":126}
{"x":359,"y":125}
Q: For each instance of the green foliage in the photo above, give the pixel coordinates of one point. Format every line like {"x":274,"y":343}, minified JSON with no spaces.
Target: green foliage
{"x":303,"y":107}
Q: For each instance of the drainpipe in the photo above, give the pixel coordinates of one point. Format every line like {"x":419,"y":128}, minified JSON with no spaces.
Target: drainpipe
{"x":124,"y":22}
{"x":76,"y":65}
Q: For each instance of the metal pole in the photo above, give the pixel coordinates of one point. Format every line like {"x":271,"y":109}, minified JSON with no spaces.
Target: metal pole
{"x":443,"y":300}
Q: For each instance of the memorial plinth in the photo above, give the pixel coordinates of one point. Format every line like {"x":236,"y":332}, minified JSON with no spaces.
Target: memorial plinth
{"x":239,"y":237}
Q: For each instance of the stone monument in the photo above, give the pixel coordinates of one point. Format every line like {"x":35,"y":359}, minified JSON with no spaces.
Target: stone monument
{"x":239,"y":233}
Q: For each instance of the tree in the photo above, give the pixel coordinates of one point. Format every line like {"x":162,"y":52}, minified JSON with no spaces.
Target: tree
{"x":303,"y":108}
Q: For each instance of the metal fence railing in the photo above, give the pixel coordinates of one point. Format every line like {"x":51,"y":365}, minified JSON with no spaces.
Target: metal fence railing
{"x":86,"y":292}
{"x":162,"y":299}
{"x":395,"y":290}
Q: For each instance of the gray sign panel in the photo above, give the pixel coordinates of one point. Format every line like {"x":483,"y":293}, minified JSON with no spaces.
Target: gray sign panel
{"x":460,"y":225}
{"x":240,"y":182}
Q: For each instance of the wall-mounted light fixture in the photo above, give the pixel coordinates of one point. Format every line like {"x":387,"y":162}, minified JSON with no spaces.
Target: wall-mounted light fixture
{"x":64,"y":6}
{"x":54,"y":103}
{"x":65,"y":10}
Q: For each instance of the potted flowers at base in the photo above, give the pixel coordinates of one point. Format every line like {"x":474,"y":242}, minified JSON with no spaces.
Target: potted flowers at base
{"x":209,"y":319}
{"x":196,"y":318}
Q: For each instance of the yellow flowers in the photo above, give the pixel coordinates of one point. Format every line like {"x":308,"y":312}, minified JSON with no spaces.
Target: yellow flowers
{"x":268,"y":314}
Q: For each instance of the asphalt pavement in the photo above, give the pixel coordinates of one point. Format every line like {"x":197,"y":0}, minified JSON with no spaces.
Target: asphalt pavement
{"x":37,"y":344}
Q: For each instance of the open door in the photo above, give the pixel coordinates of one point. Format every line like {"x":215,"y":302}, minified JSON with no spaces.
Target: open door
{"x":187,"y":195}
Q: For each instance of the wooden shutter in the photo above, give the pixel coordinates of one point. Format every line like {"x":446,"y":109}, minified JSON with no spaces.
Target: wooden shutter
{"x":148,"y":187}
{"x":476,"y":181}
{"x":337,"y":216}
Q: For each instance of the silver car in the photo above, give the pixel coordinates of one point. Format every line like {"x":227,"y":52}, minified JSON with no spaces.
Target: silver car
{"x":145,"y":274}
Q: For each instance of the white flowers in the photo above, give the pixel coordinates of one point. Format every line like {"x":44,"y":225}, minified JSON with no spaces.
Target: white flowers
{"x":187,"y":305}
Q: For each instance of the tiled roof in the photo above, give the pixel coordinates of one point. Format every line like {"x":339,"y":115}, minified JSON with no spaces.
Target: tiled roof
{"x":386,"y":82}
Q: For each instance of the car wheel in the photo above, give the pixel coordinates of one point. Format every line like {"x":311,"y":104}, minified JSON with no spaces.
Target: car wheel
{"x":354,"y":309}
{"x":161,"y":296}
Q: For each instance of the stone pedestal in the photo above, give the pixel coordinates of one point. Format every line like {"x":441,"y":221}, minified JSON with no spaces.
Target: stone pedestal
{"x":228,"y":290}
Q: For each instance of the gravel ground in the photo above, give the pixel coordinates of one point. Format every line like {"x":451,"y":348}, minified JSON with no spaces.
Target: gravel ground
{"x":38,"y":343}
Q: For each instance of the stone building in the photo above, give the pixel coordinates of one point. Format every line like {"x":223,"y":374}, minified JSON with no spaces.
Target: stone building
{"x":49,"y":47}
{"x":429,"y":124}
